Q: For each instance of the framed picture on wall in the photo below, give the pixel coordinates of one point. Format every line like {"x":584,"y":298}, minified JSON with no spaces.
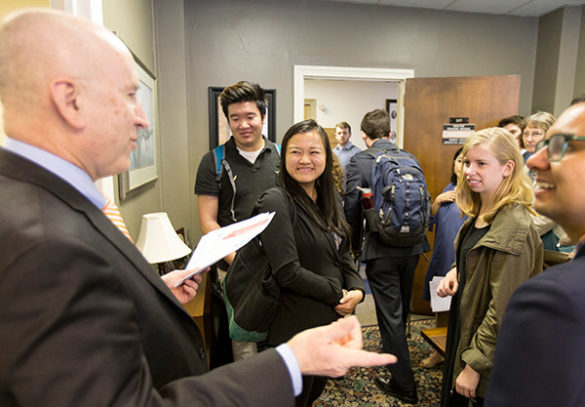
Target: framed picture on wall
{"x":392,"y":109}
{"x":143,"y":167}
{"x":219,"y":130}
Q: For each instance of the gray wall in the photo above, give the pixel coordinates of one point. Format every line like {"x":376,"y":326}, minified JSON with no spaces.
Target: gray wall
{"x":556,"y":66}
{"x":580,"y":69}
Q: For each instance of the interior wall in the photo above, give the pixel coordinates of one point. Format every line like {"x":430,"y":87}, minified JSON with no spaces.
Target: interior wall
{"x":579,"y":88}
{"x":177,"y":190}
{"x":348,"y":101}
{"x":557,"y":59}
{"x":132,"y":20}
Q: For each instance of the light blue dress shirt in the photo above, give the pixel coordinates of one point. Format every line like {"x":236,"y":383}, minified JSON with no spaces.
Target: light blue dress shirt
{"x":345,"y":153}
{"x":81,"y":181}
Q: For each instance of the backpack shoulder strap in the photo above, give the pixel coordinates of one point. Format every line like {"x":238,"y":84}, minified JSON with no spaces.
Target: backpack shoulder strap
{"x":218,"y":155}
{"x":221,"y":163}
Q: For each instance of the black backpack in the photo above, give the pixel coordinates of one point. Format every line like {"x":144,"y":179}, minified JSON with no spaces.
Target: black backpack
{"x":402,"y":203}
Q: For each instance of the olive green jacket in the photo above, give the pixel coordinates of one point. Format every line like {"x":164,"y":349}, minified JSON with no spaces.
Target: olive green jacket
{"x":510,"y":253}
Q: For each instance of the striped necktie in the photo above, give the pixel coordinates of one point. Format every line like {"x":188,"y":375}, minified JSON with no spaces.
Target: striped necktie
{"x":112,"y":212}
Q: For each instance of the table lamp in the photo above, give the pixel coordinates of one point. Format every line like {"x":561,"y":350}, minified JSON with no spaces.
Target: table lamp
{"x":158,"y":241}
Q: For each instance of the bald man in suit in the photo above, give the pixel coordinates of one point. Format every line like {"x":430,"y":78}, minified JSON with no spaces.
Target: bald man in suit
{"x":84,"y":319}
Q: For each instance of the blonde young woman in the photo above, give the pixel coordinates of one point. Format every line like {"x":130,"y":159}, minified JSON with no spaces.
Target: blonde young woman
{"x":497,"y":249}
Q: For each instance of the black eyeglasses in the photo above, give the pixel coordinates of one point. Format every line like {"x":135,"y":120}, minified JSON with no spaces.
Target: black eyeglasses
{"x":557,"y":145}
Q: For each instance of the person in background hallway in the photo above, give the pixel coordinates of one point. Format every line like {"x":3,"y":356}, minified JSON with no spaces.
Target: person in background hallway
{"x":390,"y":270}
{"x":515,"y":124}
{"x":497,"y":249}
{"x":345,"y":149}
{"x":307,"y":243}
{"x":539,"y":359}
{"x":448,"y":220}
{"x":84,"y":319}
{"x":252,"y":160}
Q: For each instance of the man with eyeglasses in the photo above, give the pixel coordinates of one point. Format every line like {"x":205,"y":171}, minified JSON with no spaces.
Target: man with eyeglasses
{"x":540,"y":360}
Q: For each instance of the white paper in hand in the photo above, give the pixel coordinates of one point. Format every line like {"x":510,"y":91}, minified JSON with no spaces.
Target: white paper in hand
{"x":438,"y":304}
{"x":218,"y":243}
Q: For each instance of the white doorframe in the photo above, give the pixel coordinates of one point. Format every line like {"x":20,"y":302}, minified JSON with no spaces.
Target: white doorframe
{"x":302,"y":72}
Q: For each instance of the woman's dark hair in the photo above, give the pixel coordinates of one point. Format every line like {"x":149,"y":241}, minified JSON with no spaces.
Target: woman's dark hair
{"x":329,"y":209}
{"x":453,"y":175}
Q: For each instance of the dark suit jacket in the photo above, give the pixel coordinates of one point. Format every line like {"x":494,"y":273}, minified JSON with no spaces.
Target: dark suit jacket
{"x":540,"y":360}
{"x":84,"y":319}
{"x":359,"y":174}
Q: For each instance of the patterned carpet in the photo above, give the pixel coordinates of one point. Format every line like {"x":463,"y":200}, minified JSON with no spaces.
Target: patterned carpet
{"x":357,"y":388}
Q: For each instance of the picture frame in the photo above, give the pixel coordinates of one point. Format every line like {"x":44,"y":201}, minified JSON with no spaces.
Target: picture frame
{"x":219,"y":131}
{"x":392,"y":109}
{"x":143,"y":160}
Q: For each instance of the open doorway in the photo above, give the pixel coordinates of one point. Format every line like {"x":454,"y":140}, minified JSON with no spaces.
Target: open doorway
{"x":341,"y":100}
{"x":303,"y":72}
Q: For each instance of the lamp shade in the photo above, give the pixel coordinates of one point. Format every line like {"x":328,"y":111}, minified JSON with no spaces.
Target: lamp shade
{"x":158,"y":240}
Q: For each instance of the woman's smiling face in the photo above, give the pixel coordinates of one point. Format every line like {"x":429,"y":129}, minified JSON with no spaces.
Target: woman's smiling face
{"x":305,"y":159}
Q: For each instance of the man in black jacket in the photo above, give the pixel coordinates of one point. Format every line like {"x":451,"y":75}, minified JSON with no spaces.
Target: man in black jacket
{"x":390,"y":270}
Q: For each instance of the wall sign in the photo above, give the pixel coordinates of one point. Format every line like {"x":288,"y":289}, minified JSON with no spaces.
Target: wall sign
{"x":457,"y":133}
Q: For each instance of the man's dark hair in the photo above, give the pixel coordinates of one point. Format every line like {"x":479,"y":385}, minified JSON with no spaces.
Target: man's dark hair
{"x":243,"y":91}
{"x":515,"y":119}
{"x":376,"y":124}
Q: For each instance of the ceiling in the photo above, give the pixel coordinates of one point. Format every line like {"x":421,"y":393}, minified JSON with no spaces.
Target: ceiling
{"x":523,"y":8}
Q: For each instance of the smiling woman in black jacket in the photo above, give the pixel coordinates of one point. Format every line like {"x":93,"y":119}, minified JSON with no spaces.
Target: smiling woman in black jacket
{"x":307,"y":243}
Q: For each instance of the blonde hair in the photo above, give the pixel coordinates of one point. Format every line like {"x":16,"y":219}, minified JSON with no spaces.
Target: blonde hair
{"x":541,"y":120}
{"x":514,"y":189}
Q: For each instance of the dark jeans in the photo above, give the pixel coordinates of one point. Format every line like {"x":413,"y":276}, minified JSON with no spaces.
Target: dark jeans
{"x":390,"y":279}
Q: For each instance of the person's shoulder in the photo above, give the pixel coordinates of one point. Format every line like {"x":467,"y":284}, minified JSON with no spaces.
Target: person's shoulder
{"x":367,"y":154}
{"x":207,"y":163}
{"x":274,"y":196}
{"x":515,"y":211}
{"x":450,"y":187}
{"x":560,"y":286}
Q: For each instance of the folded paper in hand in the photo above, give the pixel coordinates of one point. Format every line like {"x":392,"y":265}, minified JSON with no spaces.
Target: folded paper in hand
{"x":218,"y":243}
{"x":438,"y":304}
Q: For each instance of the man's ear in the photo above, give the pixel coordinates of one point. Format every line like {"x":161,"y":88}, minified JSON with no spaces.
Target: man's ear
{"x":65,"y":96}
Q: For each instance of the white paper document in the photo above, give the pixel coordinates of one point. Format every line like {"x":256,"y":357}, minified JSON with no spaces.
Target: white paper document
{"x":218,"y":243}
{"x":438,"y":304}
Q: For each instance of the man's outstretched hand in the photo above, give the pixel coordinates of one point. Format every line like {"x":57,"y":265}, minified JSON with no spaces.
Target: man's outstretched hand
{"x":332,"y":349}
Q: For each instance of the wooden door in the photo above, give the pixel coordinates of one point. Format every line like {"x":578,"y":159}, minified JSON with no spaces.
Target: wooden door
{"x":428,"y":104}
